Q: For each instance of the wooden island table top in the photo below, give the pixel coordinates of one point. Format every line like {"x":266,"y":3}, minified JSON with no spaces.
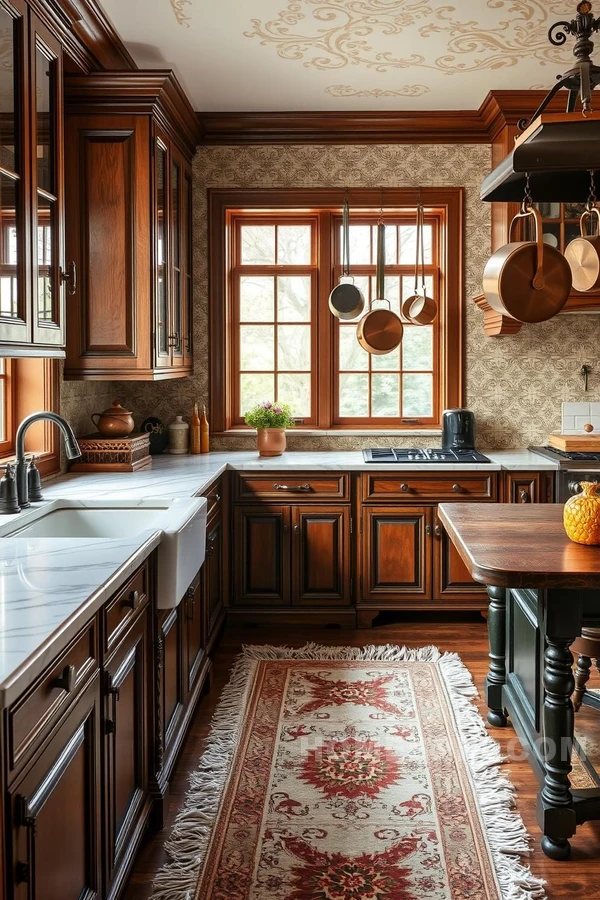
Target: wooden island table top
{"x":513,"y":545}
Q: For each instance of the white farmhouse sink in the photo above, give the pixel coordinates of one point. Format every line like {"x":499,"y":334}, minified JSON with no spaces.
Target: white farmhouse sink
{"x":181,"y":521}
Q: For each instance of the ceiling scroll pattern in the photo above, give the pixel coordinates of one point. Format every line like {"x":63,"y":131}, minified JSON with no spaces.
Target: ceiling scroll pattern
{"x":346,"y":90}
{"x":180,"y":11}
{"x":340,"y":33}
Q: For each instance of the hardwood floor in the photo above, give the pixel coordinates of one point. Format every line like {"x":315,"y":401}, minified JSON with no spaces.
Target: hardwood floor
{"x":462,"y":633}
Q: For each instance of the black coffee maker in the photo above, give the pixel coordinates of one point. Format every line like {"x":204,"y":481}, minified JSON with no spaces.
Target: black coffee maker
{"x":458,"y":429}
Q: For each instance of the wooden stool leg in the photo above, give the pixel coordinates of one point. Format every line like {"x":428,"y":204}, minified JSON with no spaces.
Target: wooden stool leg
{"x":582,"y":676}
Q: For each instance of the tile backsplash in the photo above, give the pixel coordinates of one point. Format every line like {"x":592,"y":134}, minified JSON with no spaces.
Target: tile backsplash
{"x":576,"y":415}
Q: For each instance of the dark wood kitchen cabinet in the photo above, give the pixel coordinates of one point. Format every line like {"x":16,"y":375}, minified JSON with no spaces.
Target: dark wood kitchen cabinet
{"x":528,"y":487}
{"x":130,"y":139}
{"x":32,"y":250}
{"x":451,"y":579}
{"x":396,"y":554}
{"x":54,"y":811}
{"x":126,"y":759}
{"x":294,"y":556}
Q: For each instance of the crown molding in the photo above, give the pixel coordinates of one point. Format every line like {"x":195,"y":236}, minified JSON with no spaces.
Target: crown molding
{"x":86,"y":33}
{"x":155,"y":92}
{"x":500,"y":108}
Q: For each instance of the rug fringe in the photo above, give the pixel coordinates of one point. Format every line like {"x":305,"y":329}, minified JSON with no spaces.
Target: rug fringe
{"x":506,"y":834}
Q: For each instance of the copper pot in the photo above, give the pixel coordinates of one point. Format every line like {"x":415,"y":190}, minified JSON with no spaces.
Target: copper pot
{"x":114,"y":422}
{"x":527,"y":280}
{"x":380,"y":330}
{"x":583,"y":254}
{"x":419,"y":309}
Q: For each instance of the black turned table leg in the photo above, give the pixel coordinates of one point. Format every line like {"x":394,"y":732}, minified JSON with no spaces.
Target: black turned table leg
{"x":497,"y":670}
{"x":556,"y":814}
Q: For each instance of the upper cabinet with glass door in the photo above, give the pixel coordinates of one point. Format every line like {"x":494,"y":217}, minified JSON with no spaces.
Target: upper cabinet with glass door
{"x":130,"y":237}
{"x":31,"y":196}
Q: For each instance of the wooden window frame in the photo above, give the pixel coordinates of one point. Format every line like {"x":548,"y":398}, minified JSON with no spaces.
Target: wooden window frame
{"x":33,"y":384}
{"x":327,"y":204}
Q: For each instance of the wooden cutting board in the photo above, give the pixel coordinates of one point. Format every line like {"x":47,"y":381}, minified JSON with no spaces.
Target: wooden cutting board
{"x":576,"y":443}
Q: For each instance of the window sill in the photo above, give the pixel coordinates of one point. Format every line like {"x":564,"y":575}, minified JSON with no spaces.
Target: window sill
{"x":341,"y":432}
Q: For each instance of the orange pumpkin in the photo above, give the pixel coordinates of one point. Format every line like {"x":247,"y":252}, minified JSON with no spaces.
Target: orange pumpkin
{"x":582,"y":515}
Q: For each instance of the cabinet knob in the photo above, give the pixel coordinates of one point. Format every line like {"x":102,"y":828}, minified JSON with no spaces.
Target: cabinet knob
{"x":428,"y":530}
{"x":66,"y":681}
{"x":296,"y":529}
{"x":524,"y":496}
{"x":133,"y":600}
{"x":70,"y":276}
{"x":217,"y":498}
{"x":404,"y":488}
{"x":438,"y":530}
{"x":456,"y":488}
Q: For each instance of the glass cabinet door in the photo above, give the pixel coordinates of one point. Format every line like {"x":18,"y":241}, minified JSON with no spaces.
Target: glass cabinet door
{"x":48,"y":238}
{"x":161,"y":275}
{"x":187,"y":271}
{"x":14,"y":290}
{"x":177,"y":318}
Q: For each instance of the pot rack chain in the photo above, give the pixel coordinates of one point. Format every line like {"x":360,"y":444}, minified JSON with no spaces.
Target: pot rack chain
{"x":582,"y":79}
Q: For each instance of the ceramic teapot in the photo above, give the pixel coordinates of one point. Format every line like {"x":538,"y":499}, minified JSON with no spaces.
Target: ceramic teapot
{"x":114,"y":422}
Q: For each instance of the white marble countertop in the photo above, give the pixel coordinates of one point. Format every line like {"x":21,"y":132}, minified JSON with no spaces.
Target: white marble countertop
{"x":49,"y":587}
{"x":184,"y":476}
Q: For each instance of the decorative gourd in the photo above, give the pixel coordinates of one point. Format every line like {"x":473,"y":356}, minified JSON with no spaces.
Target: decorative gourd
{"x":582,"y":515}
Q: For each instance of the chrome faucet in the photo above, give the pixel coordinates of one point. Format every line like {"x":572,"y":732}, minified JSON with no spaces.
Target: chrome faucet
{"x":71,"y":448}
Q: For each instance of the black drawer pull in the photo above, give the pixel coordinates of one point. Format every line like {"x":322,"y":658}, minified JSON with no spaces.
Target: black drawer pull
{"x":293,"y":487}
{"x":132,"y":601}
{"x":66,"y":682}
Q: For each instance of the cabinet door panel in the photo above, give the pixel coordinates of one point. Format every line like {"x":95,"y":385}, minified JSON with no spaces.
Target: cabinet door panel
{"x":172,"y":693}
{"x":396,"y":554}
{"x":108,"y":234}
{"x":127,"y":677}
{"x":15,"y":291}
{"x":47,"y":122}
{"x":452,"y":579}
{"x":262,"y":540}
{"x":213,"y":579}
{"x":321,"y":556}
{"x":162,"y":255}
{"x":195,"y":643}
{"x":55,"y":812}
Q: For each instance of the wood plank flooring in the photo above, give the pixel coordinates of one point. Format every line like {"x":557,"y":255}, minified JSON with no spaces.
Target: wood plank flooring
{"x":465,"y":634}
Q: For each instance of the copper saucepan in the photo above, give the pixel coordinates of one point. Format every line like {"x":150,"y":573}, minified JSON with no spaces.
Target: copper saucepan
{"x":419,"y":309}
{"x":346,"y":301}
{"x":380,"y":330}
{"x":529,"y":281}
{"x":583,"y":254}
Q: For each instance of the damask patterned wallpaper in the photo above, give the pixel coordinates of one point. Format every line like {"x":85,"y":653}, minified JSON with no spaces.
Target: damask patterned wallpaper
{"x":514,"y":384}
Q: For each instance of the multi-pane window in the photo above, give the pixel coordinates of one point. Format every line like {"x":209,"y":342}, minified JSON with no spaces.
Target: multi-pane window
{"x":273,"y":336}
{"x":274,"y":286}
{"x":401,"y":384}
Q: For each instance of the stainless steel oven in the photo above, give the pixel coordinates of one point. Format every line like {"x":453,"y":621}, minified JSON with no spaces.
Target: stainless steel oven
{"x":573,"y":468}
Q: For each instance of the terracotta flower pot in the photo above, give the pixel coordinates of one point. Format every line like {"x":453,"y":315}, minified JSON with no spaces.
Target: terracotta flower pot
{"x":271,"y":441}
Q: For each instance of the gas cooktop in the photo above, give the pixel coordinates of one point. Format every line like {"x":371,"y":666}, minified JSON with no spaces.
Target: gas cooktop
{"x":564,"y":457}
{"x":424,"y":456}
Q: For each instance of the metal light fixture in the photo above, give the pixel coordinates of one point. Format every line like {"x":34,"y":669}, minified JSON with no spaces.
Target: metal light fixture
{"x":553,"y":143}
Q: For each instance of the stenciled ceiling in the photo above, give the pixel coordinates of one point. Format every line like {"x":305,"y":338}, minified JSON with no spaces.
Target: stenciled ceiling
{"x":265,"y":55}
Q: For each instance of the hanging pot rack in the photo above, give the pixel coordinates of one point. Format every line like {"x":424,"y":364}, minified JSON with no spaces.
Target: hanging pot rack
{"x":567,"y":142}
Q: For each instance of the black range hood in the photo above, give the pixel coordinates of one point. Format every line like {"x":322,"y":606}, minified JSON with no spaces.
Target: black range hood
{"x":557,"y":151}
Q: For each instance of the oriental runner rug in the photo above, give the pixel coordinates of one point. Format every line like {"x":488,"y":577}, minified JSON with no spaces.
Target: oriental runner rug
{"x":335,"y":773}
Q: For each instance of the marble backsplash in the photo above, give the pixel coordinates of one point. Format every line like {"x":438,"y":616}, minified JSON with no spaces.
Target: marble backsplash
{"x":515,"y":385}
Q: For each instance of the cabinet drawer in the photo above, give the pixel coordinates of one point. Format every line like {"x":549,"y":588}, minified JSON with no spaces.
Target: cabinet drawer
{"x":31,"y":716}
{"x":119,"y":611}
{"x":437,"y":486}
{"x":286,"y":488}
{"x":213,"y":498}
